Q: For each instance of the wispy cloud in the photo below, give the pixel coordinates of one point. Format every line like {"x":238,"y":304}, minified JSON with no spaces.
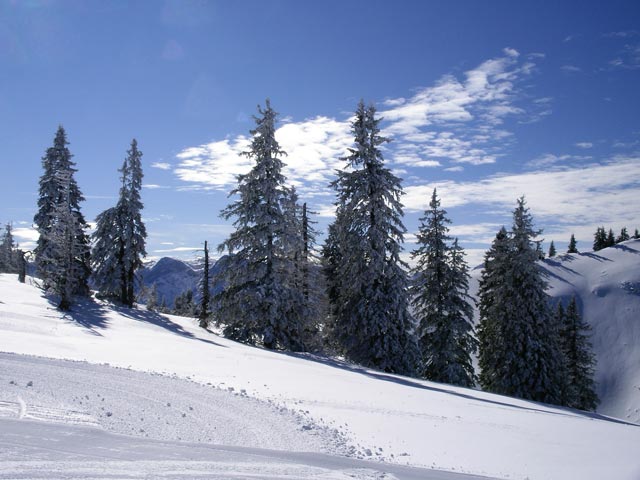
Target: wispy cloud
{"x":622,"y":34}
{"x":459,"y":120}
{"x":628,"y":58}
{"x":153,"y":186}
{"x":161,"y":165}
{"x":585,"y":145}
{"x":587,"y":194}
{"x":549,"y":159}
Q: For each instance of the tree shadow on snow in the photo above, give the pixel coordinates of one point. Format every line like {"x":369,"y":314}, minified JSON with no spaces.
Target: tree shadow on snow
{"x":627,"y":249}
{"x":596,"y":257}
{"x":159,"y":320}
{"x":408,"y":382}
{"x":87,"y":313}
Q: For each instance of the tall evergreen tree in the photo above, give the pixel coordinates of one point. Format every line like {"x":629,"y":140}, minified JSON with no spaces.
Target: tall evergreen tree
{"x":519,"y":346}
{"x":579,"y":358}
{"x":65,"y":249}
{"x":372,"y":325}
{"x":205,"y":295}
{"x":258,"y":302}
{"x":119,"y":238}
{"x":599,"y":239}
{"x":624,"y":235}
{"x":8,"y":257}
{"x":611,"y":239}
{"x":573,"y":245}
{"x":636,"y":234}
{"x":552,"y":250}
{"x":441,"y":302}
{"x":55,"y":196}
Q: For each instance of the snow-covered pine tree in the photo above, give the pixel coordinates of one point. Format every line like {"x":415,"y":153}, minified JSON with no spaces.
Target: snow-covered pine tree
{"x":8,"y":257}
{"x":599,"y":239}
{"x":611,"y":239}
{"x":373,"y":325}
{"x":579,"y":358}
{"x":493,"y":313}
{"x":440,"y":302}
{"x":516,"y":325}
{"x":573,"y":245}
{"x":552,"y":250}
{"x":57,"y":159}
{"x":65,"y":249}
{"x":624,"y":235}
{"x":204,"y":310}
{"x":184,"y":304}
{"x":119,"y":238}
{"x":257,"y":302}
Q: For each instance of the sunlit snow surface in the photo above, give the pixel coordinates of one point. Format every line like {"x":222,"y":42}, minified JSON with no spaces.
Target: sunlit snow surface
{"x":292,"y":416}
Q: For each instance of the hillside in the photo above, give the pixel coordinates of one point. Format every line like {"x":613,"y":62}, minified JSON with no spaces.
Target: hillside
{"x":326,"y":406}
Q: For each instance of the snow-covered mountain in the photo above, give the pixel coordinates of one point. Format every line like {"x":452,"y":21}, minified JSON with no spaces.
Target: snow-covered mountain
{"x":222,"y":397}
{"x":171,"y":277}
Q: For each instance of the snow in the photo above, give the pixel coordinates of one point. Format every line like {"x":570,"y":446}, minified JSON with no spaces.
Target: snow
{"x":335,"y":413}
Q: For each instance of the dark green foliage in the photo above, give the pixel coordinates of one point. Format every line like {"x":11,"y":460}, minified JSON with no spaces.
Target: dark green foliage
{"x":119,"y":238}
{"x":624,"y":235}
{"x":578,"y":358}
{"x":573,"y":245}
{"x":611,"y":239}
{"x":599,"y":239}
{"x":184,"y":305}
{"x":9,"y":258}
{"x":204,"y":310}
{"x":441,"y":302}
{"x":520,"y":354}
{"x":552,"y":250}
{"x":367,"y":285}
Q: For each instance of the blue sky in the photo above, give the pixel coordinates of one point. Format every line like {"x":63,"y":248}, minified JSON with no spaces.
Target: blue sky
{"x":486,"y":101}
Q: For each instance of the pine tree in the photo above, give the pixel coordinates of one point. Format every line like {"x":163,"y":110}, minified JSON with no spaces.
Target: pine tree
{"x":8,"y":258}
{"x":440,"y":302}
{"x":372,"y":323}
{"x":258,"y":302}
{"x":204,"y":310}
{"x":636,"y":234}
{"x":184,"y":304}
{"x":599,"y":239}
{"x":65,"y":249}
{"x":624,"y":235}
{"x":573,"y":245}
{"x":611,"y":239}
{"x":119,"y":239}
{"x":56,"y":196}
{"x":520,"y":353}
{"x":579,"y":359}
{"x":552,"y":250}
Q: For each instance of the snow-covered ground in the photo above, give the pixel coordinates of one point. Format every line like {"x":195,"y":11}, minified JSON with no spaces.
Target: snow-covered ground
{"x":212,"y":391}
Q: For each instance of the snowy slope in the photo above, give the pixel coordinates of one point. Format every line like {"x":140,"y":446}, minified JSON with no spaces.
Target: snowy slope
{"x":606,"y":284}
{"x":380,"y":416}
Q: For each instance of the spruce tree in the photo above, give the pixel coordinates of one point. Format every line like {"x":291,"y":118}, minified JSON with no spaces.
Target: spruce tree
{"x":636,"y":234}
{"x":55,"y":196}
{"x":611,"y":239}
{"x":119,"y":238}
{"x":624,"y":235}
{"x":204,"y":311}
{"x":573,"y":245}
{"x":599,"y":239}
{"x":519,"y":346}
{"x":552,"y":250}
{"x":66,"y":248}
{"x":372,"y":323}
{"x":579,"y":358}
{"x":258,"y":303}
{"x":440,"y":302}
{"x":8,"y":257}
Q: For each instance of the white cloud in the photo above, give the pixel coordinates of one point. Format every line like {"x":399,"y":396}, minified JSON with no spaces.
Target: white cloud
{"x":585,"y":145}
{"x":23,"y":234}
{"x":589,"y":194}
{"x":549,"y":159}
{"x":153,"y":186}
{"x":178,"y":249}
{"x":161,"y":165}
